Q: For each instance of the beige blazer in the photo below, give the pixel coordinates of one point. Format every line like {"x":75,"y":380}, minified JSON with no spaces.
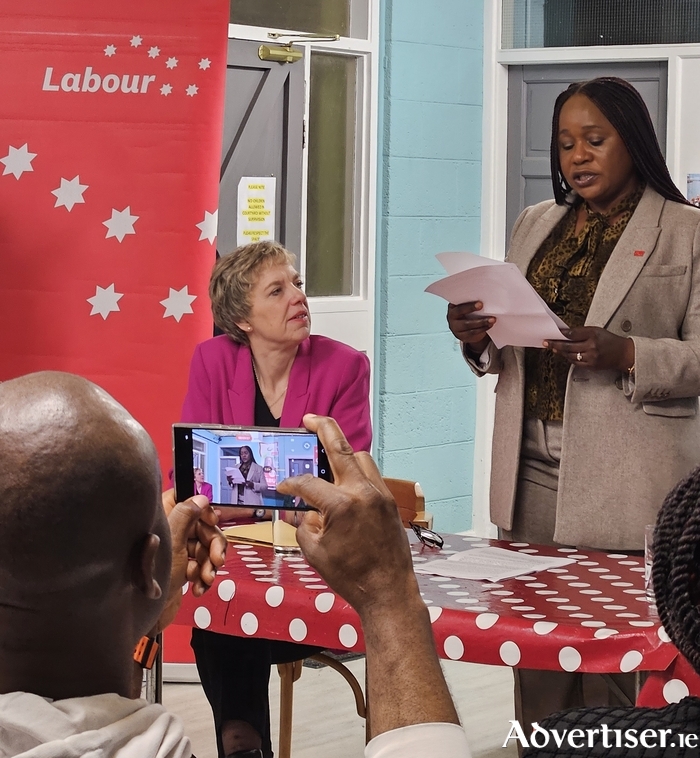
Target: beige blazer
{"x":625,"y":445}
{"x":251,"y":497}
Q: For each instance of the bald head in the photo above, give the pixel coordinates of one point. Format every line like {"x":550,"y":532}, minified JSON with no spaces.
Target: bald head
{"x":79,"y":485}
{"x":84,"y":543}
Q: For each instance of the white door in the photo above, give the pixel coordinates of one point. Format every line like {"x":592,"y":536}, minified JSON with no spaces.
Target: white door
{"x":263,"y":137}
{"x":301,"y":124}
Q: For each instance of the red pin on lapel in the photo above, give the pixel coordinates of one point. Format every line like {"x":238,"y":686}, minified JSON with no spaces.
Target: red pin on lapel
{"x":639,"y":253}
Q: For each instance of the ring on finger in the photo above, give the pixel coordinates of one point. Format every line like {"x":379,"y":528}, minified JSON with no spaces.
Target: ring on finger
{"x":579,"y":357}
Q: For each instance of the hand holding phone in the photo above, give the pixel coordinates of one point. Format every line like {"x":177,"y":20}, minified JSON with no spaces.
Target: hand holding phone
{"x":355,"y":540}
{"x":270,"y":455}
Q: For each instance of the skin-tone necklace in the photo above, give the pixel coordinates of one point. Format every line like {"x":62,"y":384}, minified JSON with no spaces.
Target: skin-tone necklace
{"x":270,"y":405}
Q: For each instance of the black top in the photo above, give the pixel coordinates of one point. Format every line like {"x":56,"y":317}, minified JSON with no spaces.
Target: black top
{"x":262,"y":415}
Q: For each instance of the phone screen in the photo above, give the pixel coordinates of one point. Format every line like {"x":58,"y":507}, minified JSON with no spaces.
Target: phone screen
{"x":241,"y":467}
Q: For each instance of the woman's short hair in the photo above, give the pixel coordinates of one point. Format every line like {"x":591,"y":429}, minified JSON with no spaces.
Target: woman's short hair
{"x":625,"y":109}
{"x":676,"y":567}
{"x":232,"y":279}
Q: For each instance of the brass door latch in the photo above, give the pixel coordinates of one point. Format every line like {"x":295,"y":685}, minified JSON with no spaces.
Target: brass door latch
{"x":287,"y":53}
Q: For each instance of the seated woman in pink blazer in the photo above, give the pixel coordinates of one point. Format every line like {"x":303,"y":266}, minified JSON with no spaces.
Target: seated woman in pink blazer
{"x":200,"y":486}
{"x":265,"y":370}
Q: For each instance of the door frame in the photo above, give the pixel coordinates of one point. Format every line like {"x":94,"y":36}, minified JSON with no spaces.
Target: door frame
{"x":494,"y":171}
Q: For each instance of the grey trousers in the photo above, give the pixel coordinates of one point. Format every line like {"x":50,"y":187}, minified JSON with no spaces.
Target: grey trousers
{"x":540,"y":693}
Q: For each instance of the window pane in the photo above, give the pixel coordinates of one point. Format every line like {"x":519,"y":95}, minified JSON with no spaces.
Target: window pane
{"x":318,"y":16}
{"x":576,"y":23}
{"x":330,"y":230}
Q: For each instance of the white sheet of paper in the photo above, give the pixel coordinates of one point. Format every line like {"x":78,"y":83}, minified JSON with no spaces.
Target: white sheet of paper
{"x":490,"y":563}
{"x":235,"y":474}
{"x":523,"y":318}
{"x":453,"y":263}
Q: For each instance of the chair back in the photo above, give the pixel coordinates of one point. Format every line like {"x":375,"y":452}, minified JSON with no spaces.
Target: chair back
{"x":409,"y":498}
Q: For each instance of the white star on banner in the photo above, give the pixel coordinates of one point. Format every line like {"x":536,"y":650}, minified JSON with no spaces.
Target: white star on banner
{"x":104,"y":301}
{"x":192,"y":90}
{"x":166,"y":89}
{"x":208,"y":226}
{"x":18,"y":160}
{"x":120,"y":224}
{"x":136,"y":40}
{"x":69,"y":193}
{"x":178,"y":303}
{"x":171,"y":62}
{"x":204,"y":63}
{"x":153,"y":52}
{"x":110,"y":50}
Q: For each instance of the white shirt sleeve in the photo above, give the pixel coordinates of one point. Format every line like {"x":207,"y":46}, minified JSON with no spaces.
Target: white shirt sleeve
{"x":420,"y":741}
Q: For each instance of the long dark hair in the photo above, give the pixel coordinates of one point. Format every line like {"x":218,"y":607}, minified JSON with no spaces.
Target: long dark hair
{"x":250,"y":452}
{"x":675,"y":568}
{"x":624,"y":108}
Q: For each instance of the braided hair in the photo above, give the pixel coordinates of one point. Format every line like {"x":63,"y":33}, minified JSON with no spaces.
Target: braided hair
{"x":624,"y":108}
{"x":676,"y":567}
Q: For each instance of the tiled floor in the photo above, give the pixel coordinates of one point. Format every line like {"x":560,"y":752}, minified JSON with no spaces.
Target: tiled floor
{"x":325,"y":722}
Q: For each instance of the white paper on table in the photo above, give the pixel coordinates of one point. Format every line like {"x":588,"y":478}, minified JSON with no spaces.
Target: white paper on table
{"x":523,"y":319}
{"x":491,"y":563}
{"x":235,"y":475}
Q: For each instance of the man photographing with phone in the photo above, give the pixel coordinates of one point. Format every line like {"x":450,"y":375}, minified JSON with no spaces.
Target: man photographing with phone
{"x":87,"y":559}
{"x":355,"y":540}
{"x":88,"y":566}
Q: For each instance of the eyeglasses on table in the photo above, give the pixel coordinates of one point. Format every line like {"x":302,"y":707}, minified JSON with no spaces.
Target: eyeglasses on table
{"x":427,"y":536}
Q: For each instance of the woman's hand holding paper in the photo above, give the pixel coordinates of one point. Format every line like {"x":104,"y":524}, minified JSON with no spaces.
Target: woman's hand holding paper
{"x":468,"y":326}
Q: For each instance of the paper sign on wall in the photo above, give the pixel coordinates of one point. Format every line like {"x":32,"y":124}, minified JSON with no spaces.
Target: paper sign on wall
{"x":256,"y":209}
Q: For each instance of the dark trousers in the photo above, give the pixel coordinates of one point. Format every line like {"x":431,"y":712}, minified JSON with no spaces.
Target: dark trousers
{"x":235,"y":675}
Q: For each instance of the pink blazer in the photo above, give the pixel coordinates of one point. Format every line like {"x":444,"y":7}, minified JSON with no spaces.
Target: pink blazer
{"x":328,"y":378}
{"x":207,"y":490}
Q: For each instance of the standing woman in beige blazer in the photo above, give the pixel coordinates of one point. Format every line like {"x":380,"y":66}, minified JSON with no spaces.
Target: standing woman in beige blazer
{"x":250,"y":493}
{"x":591,"y":433}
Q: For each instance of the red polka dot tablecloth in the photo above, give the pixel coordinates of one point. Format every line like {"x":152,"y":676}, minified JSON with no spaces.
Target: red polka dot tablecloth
{"x":262,"y":594}
{"x":592,"y":615}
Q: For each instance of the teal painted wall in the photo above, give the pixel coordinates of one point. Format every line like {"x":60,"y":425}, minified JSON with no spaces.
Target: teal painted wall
{"x":429,"y":201}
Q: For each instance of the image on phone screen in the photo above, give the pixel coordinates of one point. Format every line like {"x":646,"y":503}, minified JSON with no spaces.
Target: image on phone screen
{"x":241,"y":467}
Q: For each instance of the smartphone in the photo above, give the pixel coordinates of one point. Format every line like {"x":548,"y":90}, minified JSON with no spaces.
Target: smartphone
{"x":214,"y":454}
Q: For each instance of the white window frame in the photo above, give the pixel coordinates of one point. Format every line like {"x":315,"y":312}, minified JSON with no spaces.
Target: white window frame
{"x":356,"y":311}
{"x":199,"y":454}
{"x":493,"y":211}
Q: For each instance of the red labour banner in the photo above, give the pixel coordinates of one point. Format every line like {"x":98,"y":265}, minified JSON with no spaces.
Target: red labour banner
{"x":110,"y":138}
